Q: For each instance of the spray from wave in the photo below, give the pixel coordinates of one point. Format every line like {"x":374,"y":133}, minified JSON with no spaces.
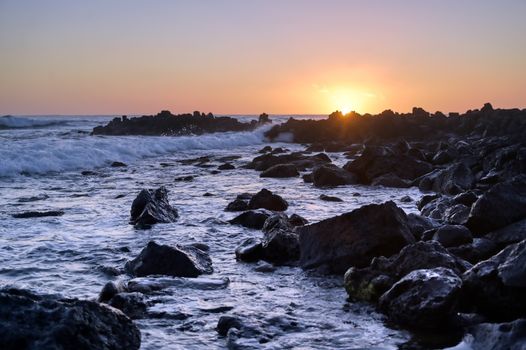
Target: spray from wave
{"x":57,"y":154}
{"x":10,"y":122}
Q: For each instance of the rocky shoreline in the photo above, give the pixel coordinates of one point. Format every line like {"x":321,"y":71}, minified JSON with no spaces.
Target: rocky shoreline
{"x":457,"y":268}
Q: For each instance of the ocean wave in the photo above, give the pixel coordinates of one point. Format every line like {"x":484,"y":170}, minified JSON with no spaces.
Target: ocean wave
{"x":10,"y":122}
{"x":46,"y":155}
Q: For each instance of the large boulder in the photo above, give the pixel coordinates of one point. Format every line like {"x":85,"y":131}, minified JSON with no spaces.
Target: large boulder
{"x":424,"y":299}
{"x":298,"y":159}
{"x":498,"y":336}
{"x":31,"y":321}
{"x":328,"y":175}
{"x":454,"y":179}
{"x":371,"y":282}
{"x":510,"y":234}
{"x":503,"y":204}
{"x":151,"y":207}
{"x":354,"y":238}
{"x":497,"y":287}
{"x":254,"y":219}
{"x":267,"y":200}
{"x":280,"y":242}
{"x":177,"y":260}
{"x":281,"y":171}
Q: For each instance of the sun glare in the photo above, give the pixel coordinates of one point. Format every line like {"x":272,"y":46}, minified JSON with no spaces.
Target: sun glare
{"x":346,"y":109}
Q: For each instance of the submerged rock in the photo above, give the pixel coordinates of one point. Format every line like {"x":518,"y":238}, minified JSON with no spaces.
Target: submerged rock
{"x":423,"y":299}
{"x":151,"y":207}
{"x":354,"y":238}
{"x":31,"y":321}
{"x":252,"y":219}
{"x":326,"y":198}
{"x":496,"y":336}
{"x":37,"y":214}
{"x":267,"y":200}
{"x":177,"y":260}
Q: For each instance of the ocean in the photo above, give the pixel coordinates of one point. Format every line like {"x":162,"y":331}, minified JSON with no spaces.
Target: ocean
{"x":76,"y":254}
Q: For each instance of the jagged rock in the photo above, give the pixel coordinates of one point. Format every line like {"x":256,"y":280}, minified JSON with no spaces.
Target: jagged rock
{"x":372,"y":281}
{"x":281,"y":171}
{"x":328,"y":175}
{"x":354,"y":238}
{"x":31,"y":321}
{"x":177,"y":260}
{"x":503,"y":204}
{"x":425,"y":299}
{"x":252,"y":219}
{"x":497,"y":287}
{"x":151,"y":207}
{"x":267,"y":200}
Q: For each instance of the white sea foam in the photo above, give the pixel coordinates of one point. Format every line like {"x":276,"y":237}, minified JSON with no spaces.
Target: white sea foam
{"x":54,"y":154}
{"x":8,"y":121}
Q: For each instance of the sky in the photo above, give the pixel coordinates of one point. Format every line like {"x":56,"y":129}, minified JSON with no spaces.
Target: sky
{"x":254,"y":56}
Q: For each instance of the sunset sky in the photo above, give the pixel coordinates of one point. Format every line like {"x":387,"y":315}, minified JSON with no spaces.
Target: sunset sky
{"x":253,"y":56}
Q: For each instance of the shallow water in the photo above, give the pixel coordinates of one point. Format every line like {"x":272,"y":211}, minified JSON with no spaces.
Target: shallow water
{"x":77,"y":253}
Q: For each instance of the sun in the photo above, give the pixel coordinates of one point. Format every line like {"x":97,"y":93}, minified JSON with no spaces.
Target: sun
{"x":345,"y":109}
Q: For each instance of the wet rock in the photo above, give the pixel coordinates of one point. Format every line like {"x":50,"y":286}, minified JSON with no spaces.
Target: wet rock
{"x":466,"y":198}
{"x":249,"y":250}
{"x":265,"y":149}
{"x":406,"y":199}
{"x":307,"y":178}
{"x":227,"y":322}
{"x":496,"y":336}
{"x":497,"y":287}
{"x":264,"y":267}
{"x":503,"y":204}
{"x":280,"y":243}
{"x":453,"y":235}
{"x":31,"y":321}
{"x":476,"y":251}
{"x":390,"y":180}
{"x":281,"y":171}
{"x":354,"y":238}
{"x":89,"y":173}
{"x":37,"y":214}
{"x":110,"y":290}
{"x":252,"y":219}
{"x":151,"y":207}
{"x":226,"y":166}
{"x":329,"y":175}
{"x":423,"y":299}
{"x":237,"y":205}
{"x":131,"y":304}
{"x":457,"y":214}
{"x":118,"y":165}
{"x":177,"y":260}
{"x":267,"y":200}
{"x":425,"y":200}
{"x":455,"y":179}
{"x":326,"y":198}
{"x":371,"y":282}
{"x":297,"y":220}
{"x":298,"y":159}
{"x":510,"y":234}
{"x":187,"y":178}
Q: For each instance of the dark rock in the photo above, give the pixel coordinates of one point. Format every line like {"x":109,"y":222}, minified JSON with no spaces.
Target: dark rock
{"x":476,"y":251}
{"x":418,"y":224}
{"x":503,"y":204}
{"x":370,"y":282}
{"x":30,"y":321}
{"x":281,"y":171}
{"x":296,"y":220}
{"x":453,"y":235}
{"x":280,"y":243}
{"x":131,"y":304}
{"x":251,"y":219}
{"x":510,"y":234}
{"x":226,"y":166}
{"x":443,"y":157}
{"x":354,"y":238}
{"x":37,"y":214}
{"x":264,"y":267}
{"x":118,"y":165}
{"x":406,"y":199}
{"x":177,"y":260}
{"x":326,"y":198}
{"x":237,"y":205}
{"x":267,"y":200}
{"x":499,"y":336}
{"x":307,"y":178}
{"x":265,"y":149}
{"x":184,"y":178}
{"x":39,"y":197}
{"x":249,"y":250}
{"x":151,"y":207}
{"x":227,"y":322}
{"x":455,"y":179}
{"x":89,"y":173}
{"x":426,"y":200}
{"x":110,"y":290}
{"x":328,"y":175}
{"x":424,"y":299}
{"x":390,"y":180}
{"x":466,"y":198}
{"x":298,"y":159}
{"x":457,"y":214}
{"x":497,"y":287}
